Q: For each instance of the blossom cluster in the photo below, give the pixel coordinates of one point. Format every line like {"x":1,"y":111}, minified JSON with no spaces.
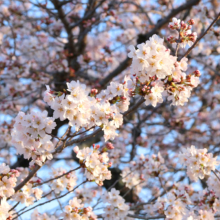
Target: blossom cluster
{"x":184,"y":30}
{"x":174,"y":206}
{"x":132,"y":179}
{"x":157,"y":73}
{"x":5,"y":136}
{"x":67,"y":181}
{"x":31,"y":136}
{"x":4,"y":209}
{"x":8,"y":180}
{"x":214,"y":185}
{"x":198,"y":161}
{"x":85,"y":111}
{"x":182,"y":202}
{"x":142,"y":169}
{"x":75,"y":211}
{"x":28,"y":194}
{"x":117,"y":209}
{"x":95,"y":163}
{"x":86,"y":194}
{"x":50,"y":42}
{"x":151,"y":59}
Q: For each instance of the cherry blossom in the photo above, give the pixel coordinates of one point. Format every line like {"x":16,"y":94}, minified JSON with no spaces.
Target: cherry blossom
{"x":136,"y":80}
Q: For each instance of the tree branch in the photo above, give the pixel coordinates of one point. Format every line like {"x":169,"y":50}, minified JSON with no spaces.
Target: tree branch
{"x":201,"y":36}
{"x":147,"y":218}
{"x":143,"y":37}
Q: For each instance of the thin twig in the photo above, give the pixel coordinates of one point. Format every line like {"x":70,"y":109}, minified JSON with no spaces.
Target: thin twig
{"x":58,"y":176}
{"x":216,"y":175}
{"x":201,"y":36}
{"x":14,"y":206}
{"x":147,"y":218}
{"x":43,"y":203}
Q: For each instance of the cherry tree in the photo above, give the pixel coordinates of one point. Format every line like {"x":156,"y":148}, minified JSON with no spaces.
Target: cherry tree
{"x":109,"y":109}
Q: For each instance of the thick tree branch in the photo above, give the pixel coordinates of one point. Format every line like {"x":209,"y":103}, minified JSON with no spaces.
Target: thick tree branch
{"x":146,"y":218}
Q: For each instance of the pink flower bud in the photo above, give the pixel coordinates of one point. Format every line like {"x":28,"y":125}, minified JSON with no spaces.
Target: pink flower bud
{"x":76,"y":149}
{"x":142,"y":177}
{"x":97,"y":146}
{"x":111,"y":115}
{"x":94,"y":91}
{"x":170,"y":26}
{"x":183,"y":25}
{"x":105,"y":6}
{"x":123,"y":98}
{"x":191,"y":22}
{"x":109,"y":146}
{"x":112,"y":13}
{"x":75,"y":210}
{"x":85,"y":210}
{"x":134,"y":163}
{"x":197,"y":73}
{"x":13,"y":171}
{"x":100,"y":184}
